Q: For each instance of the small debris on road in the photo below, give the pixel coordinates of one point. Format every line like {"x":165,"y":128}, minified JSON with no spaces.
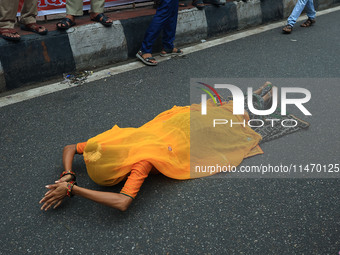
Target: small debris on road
{"x":77,"y":78}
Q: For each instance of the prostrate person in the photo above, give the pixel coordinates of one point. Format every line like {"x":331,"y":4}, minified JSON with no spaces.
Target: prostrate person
{"x":165,"y":145}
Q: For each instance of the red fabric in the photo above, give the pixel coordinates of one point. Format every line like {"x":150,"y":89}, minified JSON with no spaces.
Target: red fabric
{"x":21,"y":3}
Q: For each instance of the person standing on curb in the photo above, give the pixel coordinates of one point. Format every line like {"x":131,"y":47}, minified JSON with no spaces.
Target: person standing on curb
{"x":75,"y":8}
{"x":300,"y":5}
{"x":8,"y":13}
{"x":164,"y":20}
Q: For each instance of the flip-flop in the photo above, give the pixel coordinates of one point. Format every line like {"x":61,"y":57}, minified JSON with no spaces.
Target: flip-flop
{"x":101,"y":18}
{"x":146,"y":61}
{"x":213,"y":2}
{"x":309,"y":22}
{"x":266,"y":89}
{"x":66,"y":22}
{"x":9,"y":31}
{"x":287,"y":29}
{"x":171,"y":52}
{"x":33,"y":27}
{"x":198,"y":4}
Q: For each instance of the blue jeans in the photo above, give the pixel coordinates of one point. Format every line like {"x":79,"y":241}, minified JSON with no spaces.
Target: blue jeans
{"x":300,"y":5}
{"x":165,"y":19}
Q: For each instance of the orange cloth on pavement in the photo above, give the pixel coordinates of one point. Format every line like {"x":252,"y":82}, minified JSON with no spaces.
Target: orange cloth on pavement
{"x":81,"y":147}
{"x":165,"y":143}
{"x":139,"y":172}
{"x":136,"y":178}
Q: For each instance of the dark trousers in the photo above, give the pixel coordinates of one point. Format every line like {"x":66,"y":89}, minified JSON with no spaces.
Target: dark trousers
{"x":164,"y":20}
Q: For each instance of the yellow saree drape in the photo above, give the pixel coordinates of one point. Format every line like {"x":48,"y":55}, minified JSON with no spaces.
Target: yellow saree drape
{"x":165,"y":142}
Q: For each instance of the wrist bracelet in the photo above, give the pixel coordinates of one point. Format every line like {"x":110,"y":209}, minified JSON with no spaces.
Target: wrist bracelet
{"x":69,"y":188}
{"x":70,"y":172}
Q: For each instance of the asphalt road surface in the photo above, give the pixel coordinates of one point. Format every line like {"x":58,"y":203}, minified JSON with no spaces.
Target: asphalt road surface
{"x":201,"y":216}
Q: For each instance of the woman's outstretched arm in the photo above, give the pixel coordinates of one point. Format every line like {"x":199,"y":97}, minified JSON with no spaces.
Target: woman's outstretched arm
{"x":57,"y":192}
{"x":115,"y":200}
{"x":120,"y":201}
{"x":68,"y":155}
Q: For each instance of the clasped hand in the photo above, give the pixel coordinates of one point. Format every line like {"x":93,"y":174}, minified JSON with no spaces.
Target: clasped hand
{"x":57,"y":192}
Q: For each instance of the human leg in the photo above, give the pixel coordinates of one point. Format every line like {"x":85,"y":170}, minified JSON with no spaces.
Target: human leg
{"x":261,"y":99}
{"x":28,"y":16}
{"x":162,"y":15}
{"x":300,"y":5}
{"x":8,"y":13}
{"x":310,"y":13}
{"x":97,"y":6}
{"x":169,"y":30}
{"x":158,"y":22}
{"x":310,"y":9}
{"x":29,"y":12}
{"x":74,"y":7}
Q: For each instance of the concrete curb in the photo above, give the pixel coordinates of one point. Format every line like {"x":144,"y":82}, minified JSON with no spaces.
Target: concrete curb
{"x":94,"y":45}
{"x":191,"y":26}
{"x":249,"y":14}
{"x":36,"y":58}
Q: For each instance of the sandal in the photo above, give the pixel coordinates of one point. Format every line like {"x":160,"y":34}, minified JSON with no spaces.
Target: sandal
{"x":268,"y":104}
{"x":148,"y":61}
{"x":266,"y":89}
{"x":258,"y":102}
{"x":65,"y":24}
{"x":34,"y":27}
{"x":171,"y":52}
{"x":308,"y":23}
{"x":198,"y":4}
{"x":287,"y":29}
{"x":102,"y":19}
{"x":11,"y":32}
{"x":213,"y":2}
{"x":263,"y":89}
